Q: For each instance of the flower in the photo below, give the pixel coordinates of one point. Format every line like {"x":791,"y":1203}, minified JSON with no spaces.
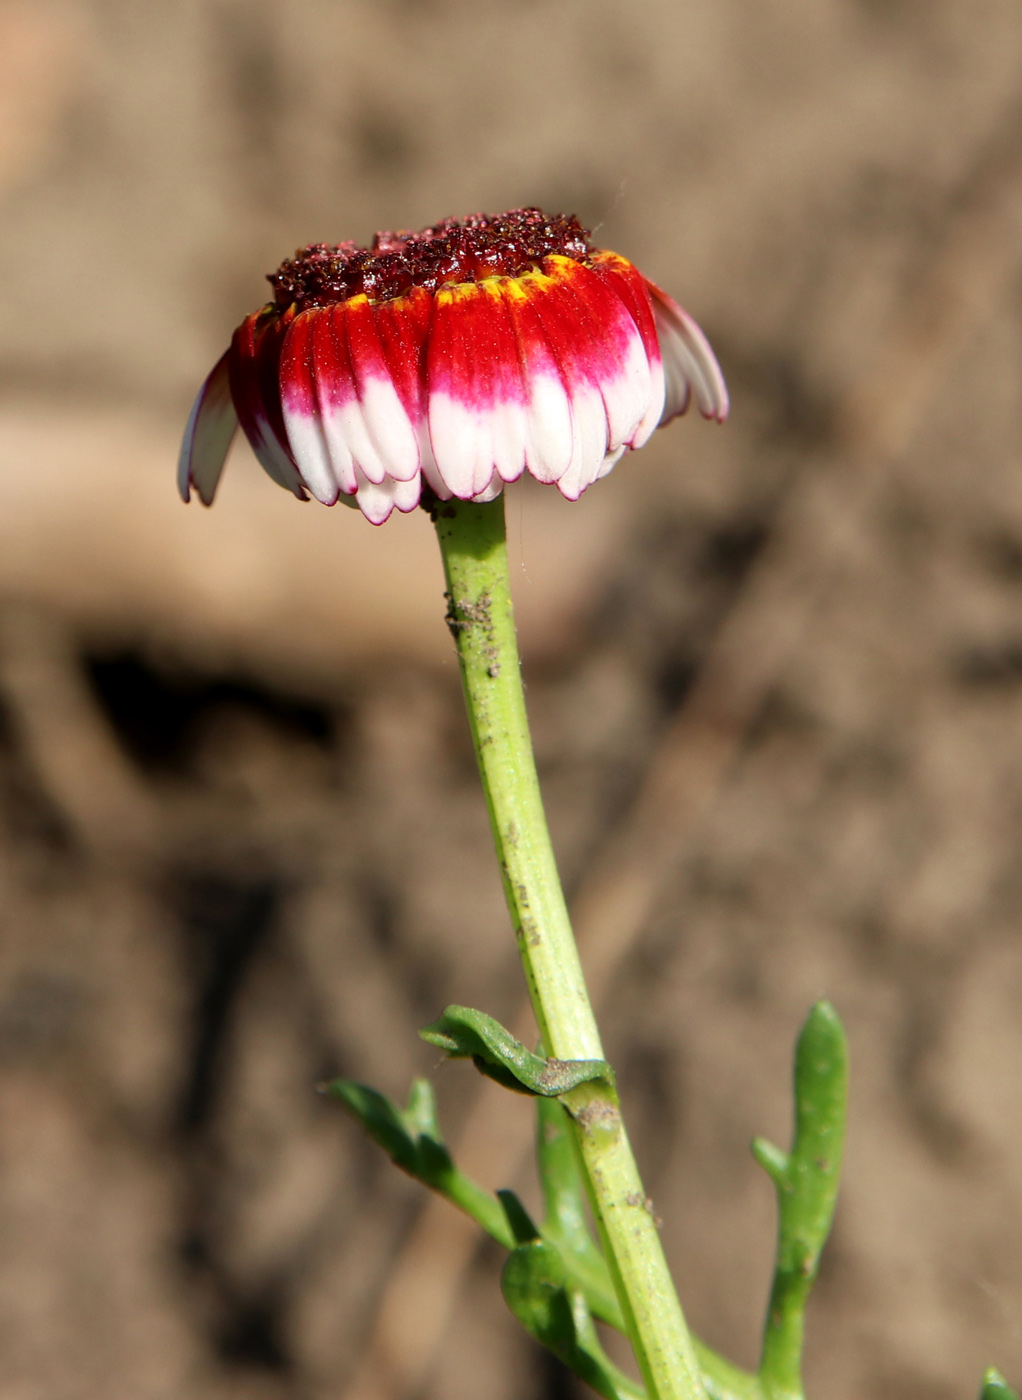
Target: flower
{"x":455,"y":358}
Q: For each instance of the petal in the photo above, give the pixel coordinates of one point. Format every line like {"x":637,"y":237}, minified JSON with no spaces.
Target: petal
{"x":509,"y":407}
{"x":433,"y":479}
{"x":254,"y":362}
{"x":345,"y":422}
{"x":609,"y":463}
{"x":627,"y":282}
{"x":377,"y":500}
{"x":300,"y":409}
{"x":209,"y":433}
{"x":477,"y":396}
{"x":402,"y":325}
{"x":571,"y":331}
{"x":618,"y":362}
{"x":386,"y":419}
{"x":689,"y":362}
{"x":334,"y":392}
{"x":490,"y":492}
{"x":548,"y":428}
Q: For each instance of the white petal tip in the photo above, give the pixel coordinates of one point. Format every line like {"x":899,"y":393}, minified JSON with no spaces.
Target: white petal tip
{"x":208,"y":435}
{"x":690,"y":366}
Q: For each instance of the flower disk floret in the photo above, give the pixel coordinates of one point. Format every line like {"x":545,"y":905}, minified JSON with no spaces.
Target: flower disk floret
{"x":457,"y":359}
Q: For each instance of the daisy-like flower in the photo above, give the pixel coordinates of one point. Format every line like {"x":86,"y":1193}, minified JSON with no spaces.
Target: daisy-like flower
{"x":456,"y":358}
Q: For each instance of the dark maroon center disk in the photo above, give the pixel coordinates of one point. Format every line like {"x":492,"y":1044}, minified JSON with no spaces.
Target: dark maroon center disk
{"x":455,"y":250}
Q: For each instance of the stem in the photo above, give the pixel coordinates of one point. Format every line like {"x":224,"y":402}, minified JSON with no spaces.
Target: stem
{"x":474,"y":550}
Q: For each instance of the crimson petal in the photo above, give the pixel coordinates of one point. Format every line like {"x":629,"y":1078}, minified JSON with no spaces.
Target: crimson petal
{"x":254,"y":360}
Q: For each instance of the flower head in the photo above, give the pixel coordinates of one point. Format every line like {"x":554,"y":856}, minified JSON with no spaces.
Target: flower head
{"x":456,"y":358}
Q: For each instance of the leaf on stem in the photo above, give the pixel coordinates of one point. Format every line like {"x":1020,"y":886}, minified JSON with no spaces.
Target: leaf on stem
{"x":519,"y":1220}
{"x":466,"y":1034}
{"x":411,"y":1139}
{"x":995,"y":1387}
{"x":807,"y":1181}
{"x":538,"y":1291}
{"x":565,"y":1222}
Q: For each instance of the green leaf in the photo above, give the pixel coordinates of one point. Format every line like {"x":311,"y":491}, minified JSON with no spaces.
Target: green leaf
{"x":565,"y":1221}
{"x":467,"y":1034}
{"x":537,"y":1290}
{"x":566,"y":1225}
{"x":518,"y":1218}
{"x":382,"y":1120}
{"x":412,"y":1141}
{"x":806,"y":1180}
{"x":411,"y":1138}
{"x":995,"y":1387}
{"x":420,"y":1115}
{"x":563,"y":1192}
{"x":773,"y":1161}
{"x":534,"y":1285}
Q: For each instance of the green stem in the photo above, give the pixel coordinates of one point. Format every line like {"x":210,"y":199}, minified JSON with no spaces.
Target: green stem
{"x":474,"y":549}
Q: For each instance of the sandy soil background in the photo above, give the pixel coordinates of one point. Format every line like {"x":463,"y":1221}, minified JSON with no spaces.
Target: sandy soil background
{"x":775,"y":672}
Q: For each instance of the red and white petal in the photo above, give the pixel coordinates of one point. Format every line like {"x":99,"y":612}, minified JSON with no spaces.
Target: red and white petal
{"x":547,"y":407}
{"x":402,"y":325}
{"x":610,"y":462}
{"x":254,"y":361}
{"x":628,"y":283}
{"x":377,"y":499}
{"x":490,"y":492}
{"x":335,"y":391}
{"x":571,"y":331}
{"x":618,"y":360}
{"x":344,"y":421}
{"x":510,"y":426}
{"x":209,"y":433}
{"x":589,"y":428}
{"x":689,"y":362}
{"x":626,"y":395}
{"x":432,"y":477}
{"x":476,"y":408}
{"x":386,"y":421}
{"x":300,"y":410}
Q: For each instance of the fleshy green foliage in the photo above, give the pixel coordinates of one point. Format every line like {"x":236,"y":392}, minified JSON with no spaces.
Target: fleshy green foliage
{"x":467,"y":1034}
{"x":807,"y":1182}
{"x":995,"y":1387}
{"x":520,"y":1222}
{"x":546,"y":1300}
{"x":412,"y":1140}
{"x":566,"y":1222}
{"x":556,"y":1279}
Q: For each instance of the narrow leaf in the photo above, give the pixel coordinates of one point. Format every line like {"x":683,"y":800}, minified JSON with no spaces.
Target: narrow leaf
{"x":467,"y":1034}
{"x":565,"y":1221}
{"x":995,"y":1387}
{"x":535,"y":1286}
{"x":412,"y":1141}
{"x":806,"y":1180}
{"x":420,"y":1115}
{"x":518,"y":1218}
{"x":773,"y":1161}
{"x":382,"y":1120}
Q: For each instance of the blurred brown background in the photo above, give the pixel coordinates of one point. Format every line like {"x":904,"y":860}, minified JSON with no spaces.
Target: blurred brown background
{"x":775,"y":672}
